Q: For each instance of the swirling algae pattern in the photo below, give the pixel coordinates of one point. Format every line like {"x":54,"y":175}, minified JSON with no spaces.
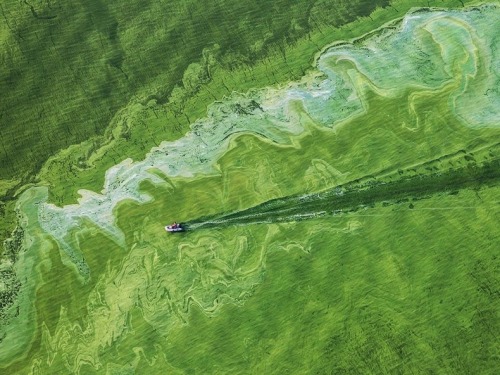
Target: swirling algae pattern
{"x":130,"y":280}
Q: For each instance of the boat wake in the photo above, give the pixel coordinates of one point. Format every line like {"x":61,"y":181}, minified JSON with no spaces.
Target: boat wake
{"x":401,"y":186}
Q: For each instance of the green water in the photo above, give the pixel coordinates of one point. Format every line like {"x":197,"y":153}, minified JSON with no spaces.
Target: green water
{"x":406,"y":283}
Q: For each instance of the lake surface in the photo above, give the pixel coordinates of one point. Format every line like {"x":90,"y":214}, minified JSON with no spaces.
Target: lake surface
{"x":399,"y":285}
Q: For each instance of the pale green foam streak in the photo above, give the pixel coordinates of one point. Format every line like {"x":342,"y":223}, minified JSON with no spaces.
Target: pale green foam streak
{"x":428,"y":51}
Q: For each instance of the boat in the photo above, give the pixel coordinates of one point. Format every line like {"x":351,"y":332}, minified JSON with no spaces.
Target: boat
{"x":174,"y":228}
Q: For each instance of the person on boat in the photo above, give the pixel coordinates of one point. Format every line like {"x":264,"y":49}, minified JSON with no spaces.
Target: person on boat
{"x":175,"y":225}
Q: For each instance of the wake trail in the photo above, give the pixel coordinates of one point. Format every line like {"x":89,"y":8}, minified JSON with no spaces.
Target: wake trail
{"x":396,"y":187}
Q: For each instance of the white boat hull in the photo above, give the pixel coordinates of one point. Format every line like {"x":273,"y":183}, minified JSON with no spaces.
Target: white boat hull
{"x":169,"y":228}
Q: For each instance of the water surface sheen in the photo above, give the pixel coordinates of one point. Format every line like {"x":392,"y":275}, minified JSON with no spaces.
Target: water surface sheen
{"x":402,"y":285}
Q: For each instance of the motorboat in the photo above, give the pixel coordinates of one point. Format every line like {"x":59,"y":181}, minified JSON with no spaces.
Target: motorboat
{"x":174,"y":228}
